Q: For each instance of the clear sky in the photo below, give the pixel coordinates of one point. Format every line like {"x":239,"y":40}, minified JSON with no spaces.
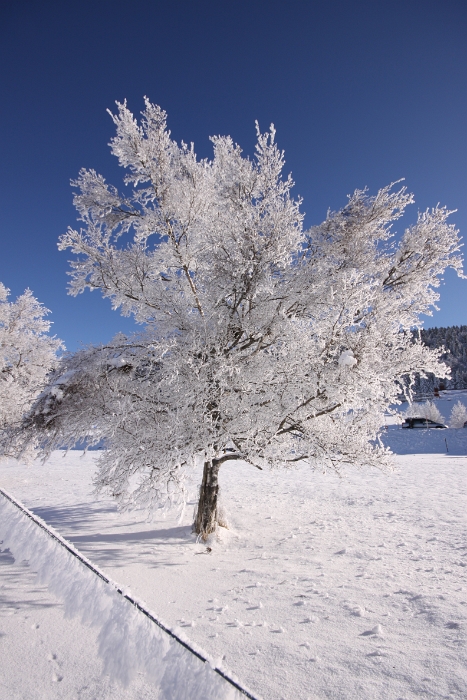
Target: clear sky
{"x":362,"y":93}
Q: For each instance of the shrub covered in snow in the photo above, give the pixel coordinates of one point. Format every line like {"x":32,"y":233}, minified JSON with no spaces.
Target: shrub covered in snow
{"x":424,"y":410}
{"x":458,"y":415}
{"x":27,"y":354}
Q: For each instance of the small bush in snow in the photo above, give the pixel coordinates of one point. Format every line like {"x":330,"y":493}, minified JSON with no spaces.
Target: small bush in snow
{"x":431,"y":412}
{"x":424,"y":410}
{"x":27,"y":354}
{"x":458,"y":415}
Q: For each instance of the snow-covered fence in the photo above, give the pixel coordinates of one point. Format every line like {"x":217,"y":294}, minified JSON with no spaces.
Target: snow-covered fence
{"x":131,"y":638}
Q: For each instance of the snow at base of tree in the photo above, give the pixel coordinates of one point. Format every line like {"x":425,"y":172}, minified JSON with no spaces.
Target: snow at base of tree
{"x":323,"y":587}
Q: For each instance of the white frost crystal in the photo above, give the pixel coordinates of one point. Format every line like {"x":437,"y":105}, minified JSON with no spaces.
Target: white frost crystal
{"x":347,"y":359}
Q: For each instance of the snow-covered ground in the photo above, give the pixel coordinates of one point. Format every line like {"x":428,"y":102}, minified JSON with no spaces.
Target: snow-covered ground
{"x":323,"y":587}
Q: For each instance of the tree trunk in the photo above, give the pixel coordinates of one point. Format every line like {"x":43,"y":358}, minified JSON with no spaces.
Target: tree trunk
{"x":207,"y":516}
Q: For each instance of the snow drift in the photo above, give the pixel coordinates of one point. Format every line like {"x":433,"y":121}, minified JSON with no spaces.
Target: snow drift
{"x":128,"y":641}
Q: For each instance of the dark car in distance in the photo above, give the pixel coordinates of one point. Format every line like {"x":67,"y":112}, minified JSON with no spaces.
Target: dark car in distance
{"x":421,"y":423}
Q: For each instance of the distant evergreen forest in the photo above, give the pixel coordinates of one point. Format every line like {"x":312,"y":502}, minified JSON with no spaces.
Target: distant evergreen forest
{"x":454,"y":339}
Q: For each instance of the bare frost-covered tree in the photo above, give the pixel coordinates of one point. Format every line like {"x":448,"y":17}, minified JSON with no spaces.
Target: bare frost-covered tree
{"x":458,"y":416}
{"x":427,"y":410}
{"x":261,"y":341}
{"x":27,"y":355}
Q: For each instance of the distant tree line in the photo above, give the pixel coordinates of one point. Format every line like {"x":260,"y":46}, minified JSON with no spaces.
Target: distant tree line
{"x":454,"y":340}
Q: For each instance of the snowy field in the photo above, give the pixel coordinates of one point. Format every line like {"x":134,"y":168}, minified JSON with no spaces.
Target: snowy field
{"x":323,"y":587}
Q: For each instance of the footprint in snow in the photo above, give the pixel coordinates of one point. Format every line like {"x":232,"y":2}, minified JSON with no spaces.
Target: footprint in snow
{"x":356,"y":610}
{"x":453,"y":626}
{"x":310,"y":618}
{"x":375,"y":631}
{"x":186,"y":623}
{"x":56,"y":678}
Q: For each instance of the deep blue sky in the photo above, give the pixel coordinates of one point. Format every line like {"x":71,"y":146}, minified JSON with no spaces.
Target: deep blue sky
{"x":362,"y":92}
